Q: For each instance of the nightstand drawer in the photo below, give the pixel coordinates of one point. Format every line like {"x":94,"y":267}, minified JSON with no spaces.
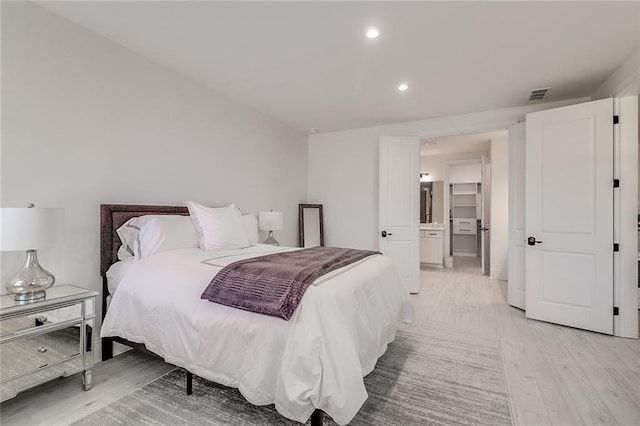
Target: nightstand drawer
{"x":45,"y":339}
{"x":25,"y":324}
{"x":28,"y":354}
{"x":11,"y":387}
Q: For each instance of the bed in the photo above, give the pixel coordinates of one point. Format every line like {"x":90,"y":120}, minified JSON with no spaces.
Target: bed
{"x":315,"y":361}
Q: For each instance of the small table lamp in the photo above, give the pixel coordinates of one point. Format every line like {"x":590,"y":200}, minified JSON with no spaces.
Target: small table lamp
{"x":30,"y":229}
{"x":270,"y":221}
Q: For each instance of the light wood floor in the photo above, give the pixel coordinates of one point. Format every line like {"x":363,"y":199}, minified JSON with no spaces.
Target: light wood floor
{"x":555,"y":375}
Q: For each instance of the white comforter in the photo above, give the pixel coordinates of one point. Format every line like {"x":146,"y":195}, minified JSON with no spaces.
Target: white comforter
{"x":317,"y":359}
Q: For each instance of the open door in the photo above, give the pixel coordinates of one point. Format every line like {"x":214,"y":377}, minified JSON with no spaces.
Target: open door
{"x":399,"y":222}
{"x":569,"y":216}
{"x":484,"y":217}
{"x":517,"y":238}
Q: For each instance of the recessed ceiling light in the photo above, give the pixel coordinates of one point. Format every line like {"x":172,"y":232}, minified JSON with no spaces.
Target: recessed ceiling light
{"x":373,"y":33}
{"x":403,"y":87}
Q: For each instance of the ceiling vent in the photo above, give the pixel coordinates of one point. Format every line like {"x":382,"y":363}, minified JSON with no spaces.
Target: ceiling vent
{"x":539,"y":94}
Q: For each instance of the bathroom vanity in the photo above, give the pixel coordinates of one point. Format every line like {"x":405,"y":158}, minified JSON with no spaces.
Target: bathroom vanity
{"x":431,"y":244}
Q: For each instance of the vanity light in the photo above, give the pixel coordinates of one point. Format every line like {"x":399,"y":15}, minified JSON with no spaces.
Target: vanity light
{"x":403,"y":87}
{"x":423,"y":177}
{"x":373,"y":33}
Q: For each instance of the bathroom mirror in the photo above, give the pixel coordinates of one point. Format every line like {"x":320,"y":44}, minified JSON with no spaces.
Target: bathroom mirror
{"x":426,"y":206}
{"x":432,"y":202}
{"x":311,"y":232}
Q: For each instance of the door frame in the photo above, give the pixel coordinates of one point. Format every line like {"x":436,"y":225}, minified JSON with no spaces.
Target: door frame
{"x":516,"y":259}
{"x":485,"y":239}
{"x":625,"y":209}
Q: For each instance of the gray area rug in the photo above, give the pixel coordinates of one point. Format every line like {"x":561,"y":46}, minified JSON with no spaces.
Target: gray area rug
{"x":426,"y":377}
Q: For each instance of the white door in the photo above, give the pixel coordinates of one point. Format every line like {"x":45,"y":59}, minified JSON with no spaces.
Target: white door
{"x":484,"y":218}
{"x":399,"y":221}
{"x":569,"y":216}
{"x":517,"y":238}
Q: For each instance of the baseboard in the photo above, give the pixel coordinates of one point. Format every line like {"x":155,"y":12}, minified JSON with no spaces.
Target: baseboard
{"x":465,"y":253}
{"x":498,"y":274}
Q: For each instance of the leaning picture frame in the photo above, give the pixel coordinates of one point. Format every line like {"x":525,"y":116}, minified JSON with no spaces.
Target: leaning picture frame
{"x":310,"y":225}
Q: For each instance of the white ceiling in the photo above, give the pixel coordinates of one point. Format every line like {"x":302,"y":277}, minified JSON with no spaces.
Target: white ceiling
{"x":309,"y":65}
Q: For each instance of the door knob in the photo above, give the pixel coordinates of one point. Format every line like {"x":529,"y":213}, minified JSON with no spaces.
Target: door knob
{"x":385,"y":233}
{"x":532,"y":241}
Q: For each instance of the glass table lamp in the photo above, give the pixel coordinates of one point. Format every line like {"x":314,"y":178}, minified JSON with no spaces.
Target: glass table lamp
{"x":270,"y":221}
{"x":30,"y":229}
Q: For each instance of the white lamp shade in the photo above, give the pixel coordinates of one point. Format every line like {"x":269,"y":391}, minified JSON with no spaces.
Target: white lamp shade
{"x":31,"y":228}
{"x":270,"y":221}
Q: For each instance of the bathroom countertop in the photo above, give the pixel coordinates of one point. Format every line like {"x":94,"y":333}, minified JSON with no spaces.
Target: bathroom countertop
{"x":431,"y":227}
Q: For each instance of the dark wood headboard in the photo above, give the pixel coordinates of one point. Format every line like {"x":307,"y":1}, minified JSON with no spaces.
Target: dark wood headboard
{"x":112,"y":216}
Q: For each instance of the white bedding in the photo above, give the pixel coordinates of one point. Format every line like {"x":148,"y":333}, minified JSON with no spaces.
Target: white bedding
{"x":317,"y":359}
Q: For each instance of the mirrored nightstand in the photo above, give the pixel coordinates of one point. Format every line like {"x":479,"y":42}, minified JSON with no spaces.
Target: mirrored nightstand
{"x":46,"y":339}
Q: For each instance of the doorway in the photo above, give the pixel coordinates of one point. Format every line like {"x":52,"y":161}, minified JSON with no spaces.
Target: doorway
{"x":455,"y":174}
{"x":551,"y":213}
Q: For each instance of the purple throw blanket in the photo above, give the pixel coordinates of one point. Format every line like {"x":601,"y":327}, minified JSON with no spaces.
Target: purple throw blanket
{"x":274,"y":284}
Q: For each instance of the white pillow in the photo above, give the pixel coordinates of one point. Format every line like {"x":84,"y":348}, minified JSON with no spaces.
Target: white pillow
{"x":128,"y":234}
{"x":146,"y":235}
{"x":250,"y":222}
{"x":167,"y":232}
{"x":219,"y":228}
{"x":125,"y":253}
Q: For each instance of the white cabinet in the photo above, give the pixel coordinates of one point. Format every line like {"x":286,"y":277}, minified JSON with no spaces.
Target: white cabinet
{"x":465,"y":226}
{"x":431,"y":246}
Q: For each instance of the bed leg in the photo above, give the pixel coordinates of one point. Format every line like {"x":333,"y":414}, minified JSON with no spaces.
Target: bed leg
{"x":107,"y":348}
{"x":316,"y":418}
{"x":189,"y":383}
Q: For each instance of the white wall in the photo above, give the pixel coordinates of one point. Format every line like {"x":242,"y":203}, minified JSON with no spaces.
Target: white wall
{"x":499,"y":230}
{"x":465,"y":173}
{"x":436,"y":165}
{"x":85,"y":122}
{"x":343,"y":168}
{"x":437,"y":202}
{"x":625,"y":81}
